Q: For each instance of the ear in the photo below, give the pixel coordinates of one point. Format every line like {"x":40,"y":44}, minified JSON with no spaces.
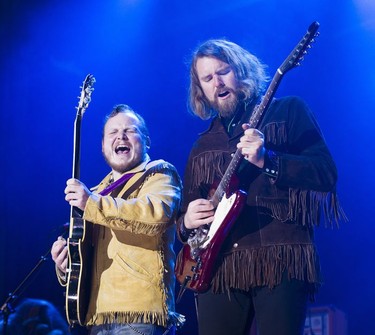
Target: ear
{"x":148,"y":142}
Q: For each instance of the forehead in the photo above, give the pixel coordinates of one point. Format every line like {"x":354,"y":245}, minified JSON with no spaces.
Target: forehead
{"x":122,"y":120}
{"x":206,"y":65}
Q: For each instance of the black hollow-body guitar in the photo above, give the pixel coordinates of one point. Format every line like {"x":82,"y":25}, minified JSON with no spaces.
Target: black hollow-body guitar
{"x":196,"y":260}
{"x":79,"y":242}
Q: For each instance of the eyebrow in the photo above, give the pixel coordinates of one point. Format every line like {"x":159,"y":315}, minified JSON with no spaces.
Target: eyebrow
{"x":111,"y":128}
{"x":226,"y":68}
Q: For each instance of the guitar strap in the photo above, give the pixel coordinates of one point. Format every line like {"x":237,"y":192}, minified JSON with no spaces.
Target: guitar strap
{"x":150,"y":168}
{"x":115,"y":188}
{"x":121,"y":181}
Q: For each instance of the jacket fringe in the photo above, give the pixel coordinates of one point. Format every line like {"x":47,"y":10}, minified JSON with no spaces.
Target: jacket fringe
{"x":173,"y":318}
{"x":276,"y":133}
{"x":138,"y":227}
{"x":307,"y":207}
{"x":266,"y":266}
{"x":202,"y":175}
{"x":130,"y":317}
{"x":312,"y":205}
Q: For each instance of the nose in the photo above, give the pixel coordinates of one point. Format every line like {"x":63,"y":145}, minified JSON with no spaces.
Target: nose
{"x":122,"y":135}
{"x":218,"y":81}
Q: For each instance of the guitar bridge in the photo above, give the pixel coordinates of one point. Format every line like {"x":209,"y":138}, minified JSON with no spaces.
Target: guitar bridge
{"x":197,"y":240}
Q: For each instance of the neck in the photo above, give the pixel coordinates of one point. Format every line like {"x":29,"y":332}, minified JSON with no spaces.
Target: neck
{"x":115,"y":175}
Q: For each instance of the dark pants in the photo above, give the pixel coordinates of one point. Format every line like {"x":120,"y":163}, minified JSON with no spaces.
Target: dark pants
{"x":280,"y":311}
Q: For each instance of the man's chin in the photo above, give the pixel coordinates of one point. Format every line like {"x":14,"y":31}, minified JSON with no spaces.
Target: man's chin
{"x":122,"y":168}
{"x":226,"y":108}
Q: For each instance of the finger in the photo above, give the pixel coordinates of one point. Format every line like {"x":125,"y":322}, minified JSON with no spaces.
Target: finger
{"x":198,"y":202}
{"x":246,"y":126}
{"x":206,"y":221}
{"x":58,"y":244}
{"x":72,"y":181}
{"x":62,"y":257}
{"x":64,"y":265}
{"x":70,"y":189}
{"x":203,"y":215}
{"x":205,"y":207}
{"x":62,"y":239}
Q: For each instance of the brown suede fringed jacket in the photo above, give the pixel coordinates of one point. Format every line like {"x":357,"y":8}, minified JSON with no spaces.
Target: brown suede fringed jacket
{"x":274,"y":233}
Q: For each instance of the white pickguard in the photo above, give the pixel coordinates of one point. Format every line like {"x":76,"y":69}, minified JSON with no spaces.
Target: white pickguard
{"x":221,"y":212}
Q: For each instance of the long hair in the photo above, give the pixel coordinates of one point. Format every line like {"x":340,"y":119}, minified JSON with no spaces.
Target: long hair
{"x":248,"y":69}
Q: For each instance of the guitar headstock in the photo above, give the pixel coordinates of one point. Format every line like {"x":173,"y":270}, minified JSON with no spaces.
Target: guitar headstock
{"x":85,"y":97}
{"x":296,"y":56}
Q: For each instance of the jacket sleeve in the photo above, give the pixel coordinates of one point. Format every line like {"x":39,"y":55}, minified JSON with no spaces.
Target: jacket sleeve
{"x":189,"y":194}
{"x":306,"y":163}
{"x":150,"y":209}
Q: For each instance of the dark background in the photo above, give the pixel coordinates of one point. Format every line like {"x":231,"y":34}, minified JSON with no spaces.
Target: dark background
{"x":138,"y":51}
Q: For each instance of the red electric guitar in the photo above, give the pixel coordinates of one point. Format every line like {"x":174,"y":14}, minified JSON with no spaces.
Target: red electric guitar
{"x":196,"y":261}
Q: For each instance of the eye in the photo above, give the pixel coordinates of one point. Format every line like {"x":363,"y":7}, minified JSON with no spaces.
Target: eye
{"x":111,"y":132}
{"x":207,"y":79}
{"x":224,"y":71}
{"x":131,"y":131}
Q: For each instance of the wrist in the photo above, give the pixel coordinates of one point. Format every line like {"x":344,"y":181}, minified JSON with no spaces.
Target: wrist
{"x":184,"y":231}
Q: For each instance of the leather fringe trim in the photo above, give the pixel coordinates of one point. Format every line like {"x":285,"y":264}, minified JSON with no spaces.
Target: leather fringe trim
{"x":130,"y":317}
{"x":311,"y":206}
{"x":200,"y":173}
{"x":308,"y":207}
{"x":276,"y":133}
{"x":265,"y":267}
{"x":139,"y":227}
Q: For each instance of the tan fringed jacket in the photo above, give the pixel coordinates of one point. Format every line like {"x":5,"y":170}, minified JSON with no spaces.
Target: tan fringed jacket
{"x":133,"y":278}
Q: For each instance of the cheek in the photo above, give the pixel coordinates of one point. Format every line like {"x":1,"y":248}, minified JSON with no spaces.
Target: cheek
{"x":207,"y":91}
{"x":106,"y":146}
{"x":232,"y":82}
{"x":138,"y":145}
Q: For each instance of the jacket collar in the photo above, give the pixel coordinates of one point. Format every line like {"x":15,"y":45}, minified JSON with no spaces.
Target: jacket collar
{"x":108,"y":178}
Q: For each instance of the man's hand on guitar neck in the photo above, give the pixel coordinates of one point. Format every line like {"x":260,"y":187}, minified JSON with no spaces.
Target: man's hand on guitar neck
{"x":200,"y":212}
{"x":77,"y":193}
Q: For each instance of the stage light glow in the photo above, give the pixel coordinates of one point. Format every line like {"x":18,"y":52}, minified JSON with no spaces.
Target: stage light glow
{"x":366,"y":10}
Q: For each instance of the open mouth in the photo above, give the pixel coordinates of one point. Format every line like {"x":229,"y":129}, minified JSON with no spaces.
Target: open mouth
{"x":122,"y":149}
{"x":223,"y":94}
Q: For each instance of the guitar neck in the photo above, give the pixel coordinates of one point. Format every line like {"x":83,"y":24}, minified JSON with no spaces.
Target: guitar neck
{"x":254,"y":121}
{"x":259,"y":110}
{"x":77,"y":147}
{"x":74,"y":211}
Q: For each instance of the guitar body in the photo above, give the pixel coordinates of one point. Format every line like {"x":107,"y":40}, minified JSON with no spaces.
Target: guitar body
{"x":80,"y":250}
{"x":196,"y":272}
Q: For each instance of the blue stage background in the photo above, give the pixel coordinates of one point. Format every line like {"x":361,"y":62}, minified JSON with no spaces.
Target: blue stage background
{"x":138,"y":51}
